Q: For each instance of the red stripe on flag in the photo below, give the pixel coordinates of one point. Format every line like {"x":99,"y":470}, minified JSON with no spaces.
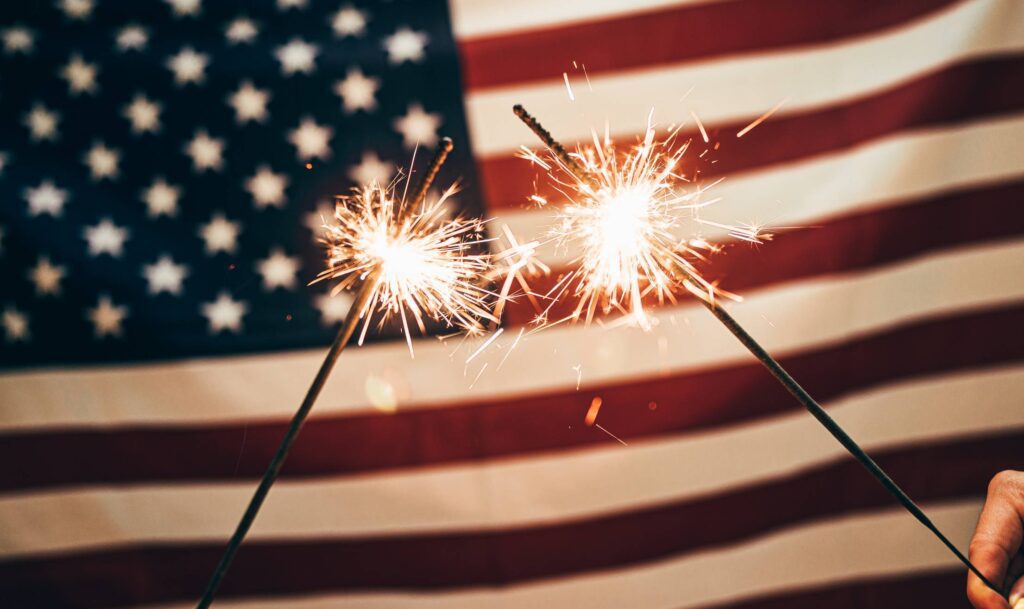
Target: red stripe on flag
{"x":933,"y":590}
{"x":687,"y":402}
{"x":968,"y":91}
{"x":677,"y":35}
{"x":164,"y":573}
{"x":851,"y":243}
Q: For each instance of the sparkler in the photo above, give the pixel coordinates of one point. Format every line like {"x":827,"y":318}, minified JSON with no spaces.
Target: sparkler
{"x":402,"y":255}
{"x":621,"y":210}
{"x":410,"y":258}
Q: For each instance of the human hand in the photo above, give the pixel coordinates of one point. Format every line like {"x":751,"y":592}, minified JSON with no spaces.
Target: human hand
{"x":996,"y":546}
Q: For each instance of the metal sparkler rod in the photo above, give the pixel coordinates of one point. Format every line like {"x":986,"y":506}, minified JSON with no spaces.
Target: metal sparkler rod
{"x":270,"y":476}
{"x":554,"y":146}
{"x":834,"y":428}
{"x":780,"y":374}
{"x":443,"y":148}
{"x":299,"y":418}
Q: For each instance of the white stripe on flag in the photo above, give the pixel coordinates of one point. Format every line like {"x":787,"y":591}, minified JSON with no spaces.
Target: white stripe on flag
{"x":520,"y":492}
{"x":882,"y":174}
{"x":482,"y":18}
{"x":734,"y":89}
{"x":785,"y":319}
{"x":887,"y":543}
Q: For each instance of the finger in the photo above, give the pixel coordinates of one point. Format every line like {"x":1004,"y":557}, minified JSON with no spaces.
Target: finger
{"x":1017,"y":594}
{"x":996,"y":540}
{"x":978,"y":592}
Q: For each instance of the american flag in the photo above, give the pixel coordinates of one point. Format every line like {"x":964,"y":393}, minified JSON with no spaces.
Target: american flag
{"x":163,"y":170}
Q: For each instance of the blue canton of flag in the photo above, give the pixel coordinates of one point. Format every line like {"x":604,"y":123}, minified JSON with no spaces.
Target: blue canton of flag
{"x":164,"y":165}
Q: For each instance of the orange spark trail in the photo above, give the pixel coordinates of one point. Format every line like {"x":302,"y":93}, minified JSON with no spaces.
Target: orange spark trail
{"x":759,"y":120}
{"x":700,"y":125}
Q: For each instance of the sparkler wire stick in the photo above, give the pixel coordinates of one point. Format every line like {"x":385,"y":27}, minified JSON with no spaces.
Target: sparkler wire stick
{"x":270,"y":476}
{"x":780,"y":374}
{"x":444,"y":147}
{"x":834,"y":428}
{"x":554,"y":146}
{"x":299,"y":418}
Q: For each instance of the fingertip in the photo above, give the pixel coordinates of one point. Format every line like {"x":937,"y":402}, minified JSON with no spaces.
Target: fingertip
{"x":983,"y":597}
{"x":1017,"y":594}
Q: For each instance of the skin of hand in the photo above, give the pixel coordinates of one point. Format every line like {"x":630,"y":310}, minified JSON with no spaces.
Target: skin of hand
{"x":996,"y":547}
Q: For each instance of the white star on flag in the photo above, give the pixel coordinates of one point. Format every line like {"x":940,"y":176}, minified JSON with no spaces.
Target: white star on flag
{"x":333,"y":309}
{"x":186,"y":8}
{"x":15,"y":325}
{"x":46,"y":199}
{"x":220,"y":234}
{"x":418,"y":127}
{"x":79,"y":10}
{"x":316,"y":219}
{"x":371,"y":169}
{"x":188,"y":66}
{"x":357,"y":91}
{"x":132,"y":37}
{"x":250,"y":103}
{"x":106,"y":317}
{"x":106,"y":238}
{"x":144,"y":115}
{"x":278,"y":270}
{"x":18,"y":40}
{"x":406,"y":45}
{"x":102,"y":162}
{"x":311,"y":140}
{"x":267,"y":188}
{"x":42,"y":123}
{"x":81,"y":76}
{"x":165,"y":276}
{"x":349,"y":21}
{"x":161,"y":199}
{"x":207,"y":152}
{"x":47,"y":277}
{"x":225,"y":313}
{"x":241,"y":31}
{"x":297,"y":56}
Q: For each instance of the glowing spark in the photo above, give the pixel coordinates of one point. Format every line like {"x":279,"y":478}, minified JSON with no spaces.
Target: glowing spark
{"x":700,"y":125}
{"x":515,"y":262}
{"x":565,"y":75}
{"x":419,"y":263}
{"x":510,"y":349}
{"x":533,"y":157}
{"x":595,"y":407}
{"x":486,"y":344}
{"x":591,"y":420}
{"x":624,"y":212}
{"x":760,"y":119}
{"x":613,"y":436}
{"x":751,"y":233}
{"x":622,"y":215}
{"x":478,"y":375}
{"x":579,"y":375}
